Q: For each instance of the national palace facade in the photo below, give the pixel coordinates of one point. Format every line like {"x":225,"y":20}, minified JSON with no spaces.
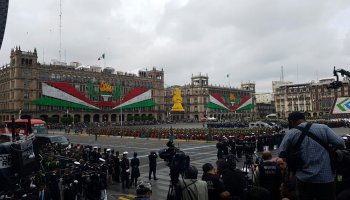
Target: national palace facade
{"x":93,"y":94}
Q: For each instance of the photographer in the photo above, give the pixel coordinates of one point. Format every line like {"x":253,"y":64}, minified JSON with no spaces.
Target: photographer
{"x":152,"y":157}
{"x":222,"y":147}
{"x":234,"y":179}
{"x":190,"y":188}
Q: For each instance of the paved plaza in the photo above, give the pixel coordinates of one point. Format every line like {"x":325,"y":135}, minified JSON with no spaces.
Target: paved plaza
{"x":200,"y":152}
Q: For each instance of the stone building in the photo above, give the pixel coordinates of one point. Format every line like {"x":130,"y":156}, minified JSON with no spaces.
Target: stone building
{"x":91,"y":94}
{"x":315,"y":99}
{"x":200,"y":95}
{"x":265,"y":105}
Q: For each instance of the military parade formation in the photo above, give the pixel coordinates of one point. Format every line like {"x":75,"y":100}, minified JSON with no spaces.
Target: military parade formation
{"x":86,"y":172}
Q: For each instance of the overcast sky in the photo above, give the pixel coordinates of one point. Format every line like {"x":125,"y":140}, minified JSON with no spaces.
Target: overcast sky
{"x":249,"y":40}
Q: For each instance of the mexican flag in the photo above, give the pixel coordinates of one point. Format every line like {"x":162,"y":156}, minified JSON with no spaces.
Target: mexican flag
{"x":216,"y":102}
{"x":102,"y":57}
{"x":136,"y":98}
{"x":246,"y":104}
{"x":63,"y":95}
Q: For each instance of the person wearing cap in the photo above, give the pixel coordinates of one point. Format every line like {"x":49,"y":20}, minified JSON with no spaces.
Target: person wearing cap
{"x":152,"y":157}
{"x":143,"y":191}
{"x":315,"y":178}
{"x":216,"y":188}
{"x":190,"y":188}
{"x":125,"y":170}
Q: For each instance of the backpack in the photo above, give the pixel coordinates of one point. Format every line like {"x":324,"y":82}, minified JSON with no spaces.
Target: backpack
{"x":342,"y":161}
{"x":293,"y":157}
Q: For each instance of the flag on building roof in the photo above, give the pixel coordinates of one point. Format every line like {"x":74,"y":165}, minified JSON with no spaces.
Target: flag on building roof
{"x":101,"y":57}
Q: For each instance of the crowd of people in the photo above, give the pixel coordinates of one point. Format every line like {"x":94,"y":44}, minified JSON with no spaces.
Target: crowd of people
{"x":85,"y":172}
{"x":77,"y":172}
{"x":276,"y":178}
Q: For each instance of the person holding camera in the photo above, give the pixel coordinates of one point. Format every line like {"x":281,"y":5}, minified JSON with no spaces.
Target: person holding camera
{"x":189,"y":188}
{"x":315,"y":178}
{"x":152,"y":157}
{"x":216,"y":188}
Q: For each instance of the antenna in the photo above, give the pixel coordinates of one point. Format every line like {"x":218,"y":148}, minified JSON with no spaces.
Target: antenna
{"x":43,"y":55}
{"x":60,"y":27}
{"x":282,"y":75}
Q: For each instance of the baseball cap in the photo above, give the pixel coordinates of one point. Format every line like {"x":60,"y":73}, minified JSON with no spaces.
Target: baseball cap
{"x":294,"y":116}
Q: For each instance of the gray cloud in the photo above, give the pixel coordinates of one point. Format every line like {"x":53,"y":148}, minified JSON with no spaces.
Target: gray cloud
{"x":248,"y":40}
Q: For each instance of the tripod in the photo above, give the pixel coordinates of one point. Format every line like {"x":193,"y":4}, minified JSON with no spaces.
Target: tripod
{"x":248,"y":163}
{"x":171,"y":191}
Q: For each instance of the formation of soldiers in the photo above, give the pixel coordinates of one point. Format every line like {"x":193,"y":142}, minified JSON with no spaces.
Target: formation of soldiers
{"x":73,"y":172}
{"x":247,"y":144}
{"x":180,"y":133}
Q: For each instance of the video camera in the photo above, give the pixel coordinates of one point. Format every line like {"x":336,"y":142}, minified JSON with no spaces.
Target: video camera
{"x":337,"y":84}
{"x":176,"y":160}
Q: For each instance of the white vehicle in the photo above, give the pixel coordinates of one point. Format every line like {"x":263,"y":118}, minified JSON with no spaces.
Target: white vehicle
{"x":212,"y":119}
{"x":271,"y":116}
{"x":209,"y":119}
{"x":259,"y":124}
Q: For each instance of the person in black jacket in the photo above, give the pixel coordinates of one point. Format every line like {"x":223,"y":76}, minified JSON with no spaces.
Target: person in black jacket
{"x":269,"y":175}
{"x":152,"y":157}
{"x":135,"y":171}
{"x":234,"y":180}
{"x":125,"y":170}
{"x":216,"y":188}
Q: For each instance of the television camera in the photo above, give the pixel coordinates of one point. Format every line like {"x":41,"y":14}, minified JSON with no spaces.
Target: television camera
{"x":337,"y":84}
{"x":178,"y":162}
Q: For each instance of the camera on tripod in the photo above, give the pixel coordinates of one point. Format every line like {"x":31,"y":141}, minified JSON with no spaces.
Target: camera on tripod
{"x":178,"y":162}
{"x":334,"y":85}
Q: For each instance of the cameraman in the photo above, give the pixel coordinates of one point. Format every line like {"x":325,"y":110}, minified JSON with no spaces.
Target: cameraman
{"x":222,"y":147}
{"x":234,"y":179}
{"x":152,"y":157}
{"x":190,"y":188}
